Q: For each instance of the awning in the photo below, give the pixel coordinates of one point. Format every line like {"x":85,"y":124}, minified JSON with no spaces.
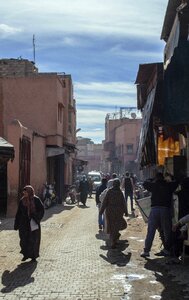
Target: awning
{"x":176,"y":89}
{"x":172,"y":42}
{"x":6,"y":150}
{"x":147,"y":73}
{"x":172,"y":8}
{"x":145,"y":122}
{"x":54,"y":151}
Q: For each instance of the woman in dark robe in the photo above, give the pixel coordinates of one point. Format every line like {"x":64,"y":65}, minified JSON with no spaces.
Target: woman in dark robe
{"x":114,"y":206}
{"x":84,"y":190}
{"x":27,"y":222}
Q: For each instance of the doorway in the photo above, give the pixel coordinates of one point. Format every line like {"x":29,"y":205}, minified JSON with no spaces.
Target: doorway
{"x":3,"y":189}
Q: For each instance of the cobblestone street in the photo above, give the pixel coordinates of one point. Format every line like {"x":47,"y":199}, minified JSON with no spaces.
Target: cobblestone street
{"x":75,"y":264}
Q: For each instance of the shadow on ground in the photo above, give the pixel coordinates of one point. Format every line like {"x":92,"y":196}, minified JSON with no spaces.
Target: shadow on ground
{"x":173,"y":289}
{"x":8,"y":223}
{"x":56,"y":209}
{"x":21,"y":276}
{"x":116,"y":256}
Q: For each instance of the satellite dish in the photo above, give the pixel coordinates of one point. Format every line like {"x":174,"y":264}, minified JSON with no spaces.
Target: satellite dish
{"x":133,"y":115}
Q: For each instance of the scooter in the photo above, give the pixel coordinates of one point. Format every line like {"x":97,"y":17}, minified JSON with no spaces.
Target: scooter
{"x":49,"y":195}
{"x":72,"y":195}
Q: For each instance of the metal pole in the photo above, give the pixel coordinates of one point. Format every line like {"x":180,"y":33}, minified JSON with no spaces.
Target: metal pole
{"x":34,"y":48}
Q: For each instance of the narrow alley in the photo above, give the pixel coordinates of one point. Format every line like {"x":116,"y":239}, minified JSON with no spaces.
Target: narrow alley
{"x":76,"y":264}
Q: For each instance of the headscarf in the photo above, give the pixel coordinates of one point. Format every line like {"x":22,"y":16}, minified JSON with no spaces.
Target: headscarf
{"x":116,"y":183}
{"x":28,"y":202}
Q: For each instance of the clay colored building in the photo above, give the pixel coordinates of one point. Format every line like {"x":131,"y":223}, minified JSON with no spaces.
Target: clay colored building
{"x":122,"y":133}
{"x":38,"y":117}
{"x":90,"y":152}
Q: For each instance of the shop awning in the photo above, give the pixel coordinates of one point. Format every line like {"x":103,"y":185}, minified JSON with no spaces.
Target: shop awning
{"x":176,"y":89}
{"x":172,"y":42}
{"x":145,"y":122}
{"x":6,"y":150}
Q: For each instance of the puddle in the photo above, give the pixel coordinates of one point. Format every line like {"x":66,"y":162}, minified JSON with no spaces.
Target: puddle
{"x":122,"y":278}
{"x":131,"y":277}
{"x":153,"y":282}
{"x":136,"y":238}
{"x":119,"y":277}
{"x":132,"y":264}
{"x":125,"y":281}
{"x":133,"y":237}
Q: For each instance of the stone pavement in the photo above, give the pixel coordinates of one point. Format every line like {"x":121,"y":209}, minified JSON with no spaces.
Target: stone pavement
{"x":75,"y":264}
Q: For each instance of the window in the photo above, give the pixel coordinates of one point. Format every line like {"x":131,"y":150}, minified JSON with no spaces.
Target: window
{"x":60,"y":112}
{"x":129,"y":148}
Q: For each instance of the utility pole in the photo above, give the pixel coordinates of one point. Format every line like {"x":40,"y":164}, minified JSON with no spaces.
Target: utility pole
{"x":34,"y":48}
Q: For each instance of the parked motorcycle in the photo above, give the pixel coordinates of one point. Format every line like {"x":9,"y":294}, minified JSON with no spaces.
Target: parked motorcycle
{"x":71,"y":195}
{"x":140,"y":192}
{"x":49,"y":195}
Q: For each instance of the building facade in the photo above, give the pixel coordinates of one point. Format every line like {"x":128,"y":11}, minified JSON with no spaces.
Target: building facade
{"x":88,"y":151}
{"x":162,"y":94}
{"x":38,"y":117}
{"x":121,"y":141}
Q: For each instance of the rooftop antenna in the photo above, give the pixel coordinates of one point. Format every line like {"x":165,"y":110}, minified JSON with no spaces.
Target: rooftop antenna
{"x":34,"y":48}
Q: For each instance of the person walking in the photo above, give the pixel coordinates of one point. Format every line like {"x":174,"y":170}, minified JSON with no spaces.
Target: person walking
{"x":27,"y":221}
{"x":84,"y":190}
{"x":99,"y":191}
{"x":90,"y":182}
{"x":128,"y":187}
{"x":161,"y":213}
{"x":111,"y":180}
{"x":115,"y":207}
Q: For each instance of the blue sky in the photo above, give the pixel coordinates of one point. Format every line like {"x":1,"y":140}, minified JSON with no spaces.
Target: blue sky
{"x":100,"y":43}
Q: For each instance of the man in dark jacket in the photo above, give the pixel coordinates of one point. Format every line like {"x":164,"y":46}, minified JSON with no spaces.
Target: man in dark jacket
{"x":161,"y":212}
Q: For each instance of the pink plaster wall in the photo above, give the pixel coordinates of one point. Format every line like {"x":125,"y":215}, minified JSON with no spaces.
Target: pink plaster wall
{"x":38,"y":164}
{"x":110,"y":128}
{"x":15,"y":131}
{"x":34,"y":101}
{"x":128,"y":133}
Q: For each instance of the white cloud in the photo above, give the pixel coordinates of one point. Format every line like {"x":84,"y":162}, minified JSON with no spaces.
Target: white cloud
{"x":116,"y":87}
{"x":95,"y":116}
{"x":119,"y":51}
{"x":105,"y":93}
{"x":94,"y":128}
{"x":8,"y":30}
{"x":125,"y":18}
{"x":98,"y":42}
{"x":95,"y":136}
{"x":107,"y":101}
{"x":70,"y":41}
